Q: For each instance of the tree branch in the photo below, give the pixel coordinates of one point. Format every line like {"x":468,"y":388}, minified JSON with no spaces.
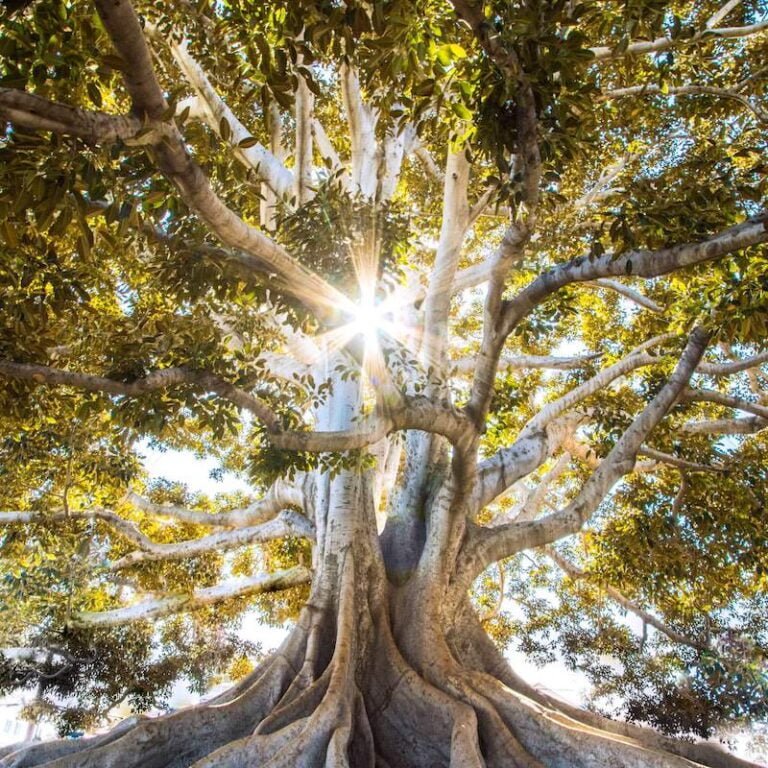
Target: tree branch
{"x":279,"y":496}
{"x":606,"y":53}
{"x":269,"y":201}
{"x":491,"y":544}
{"x":509,"y":465}
{"x":729,"y":368}
{"x":287,"y":523}
{"x":536,"y":440}
{"x":720,"y":15}
{"x":328,"y":151}
{"x":746,"y":426}
{"x":675,"y":461}
{"x":549,"y":362}
{"x":199,"y":598}
{"x":471,"y":277}
{"x":304,"y":103}
{"x":27,"y":110}
{"x":641,"y":263}
{"x":534,"y":501}
{"x":415,"y":413}
{"x":362,"y":133}
{"x":266,"y":165}
{"x":520,"y":230}
{"x":628,"y":293}
{"x":576,"y":574}
{"x":729,"y":401}
{"x":424,"y":156}
{"x":455,"y":219}
{"x":599,"y":381}
{"x":153,"y":382}
{"x":124,"y":527}
{"x":651,"y":89}
{"x":601,"y":187}
{"x":293,"y":278}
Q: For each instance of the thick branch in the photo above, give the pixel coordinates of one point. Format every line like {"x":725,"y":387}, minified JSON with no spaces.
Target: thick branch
{"x":737,"y":403}
{"x":124,"y":527}
{"x":548,"y":362}
{"x":287,"y":523}
{"x":265,"y":163}
{"x":415,"y":413}
{"x":278,"y":497}
{"x":605,"y":53}
{"x":535,"y":441}
{"x":153,"y":382}
{"x":746,"y":426}
{"x":641,"y":263}
{"x":455,"y":219}
{"x":303,"y":110}
{"x":530,"y":450}
{"x":729,"y":368}
{"x":174,"y":161}
{"x":528,"y":160}
{"x":392,"y":155}
{"x":362,"y":133}
{"x":494,"y":544}
{"x":166,"y":606}
{"x":36,"y":113}
{"x":599,"y":381}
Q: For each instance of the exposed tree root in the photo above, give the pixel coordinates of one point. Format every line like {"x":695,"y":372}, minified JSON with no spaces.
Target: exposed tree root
{"x":477,"y":653}
{"x":314,"y":723}
{"x":339,"y":694}
{"x":172,"y":741}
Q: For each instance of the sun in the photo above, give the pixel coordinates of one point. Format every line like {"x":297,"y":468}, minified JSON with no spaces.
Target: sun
{"x":368,"y":319}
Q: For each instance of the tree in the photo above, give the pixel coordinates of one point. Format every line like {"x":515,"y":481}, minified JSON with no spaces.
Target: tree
{"x":456,"y":284}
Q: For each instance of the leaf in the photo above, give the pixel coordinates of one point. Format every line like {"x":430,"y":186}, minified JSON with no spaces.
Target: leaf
{"x":94,"y":94}
{"x":424,"y":88}
{"x":248,"y":141}
{"x":224,"y":130}
{"x":113,"y":61}
{"x":9,"y":234}
{"x":461,"y":111}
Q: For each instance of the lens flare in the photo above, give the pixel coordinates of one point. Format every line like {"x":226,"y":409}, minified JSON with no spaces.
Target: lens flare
{"x":368,"y":319}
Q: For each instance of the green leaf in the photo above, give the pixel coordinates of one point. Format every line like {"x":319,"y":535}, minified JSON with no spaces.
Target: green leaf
{"x":94,"y":94}
{"x":224,"y":130}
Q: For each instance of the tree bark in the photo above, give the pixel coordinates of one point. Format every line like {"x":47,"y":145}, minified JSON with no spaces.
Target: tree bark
{"x":375,"y":674}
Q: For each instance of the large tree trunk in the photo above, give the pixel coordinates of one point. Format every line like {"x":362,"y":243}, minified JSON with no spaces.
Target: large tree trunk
{"x":375,"y":674}
{"x":387,"y":666}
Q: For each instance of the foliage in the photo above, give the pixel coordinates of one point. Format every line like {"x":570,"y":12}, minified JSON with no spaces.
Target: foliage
{"x":105,"y":269}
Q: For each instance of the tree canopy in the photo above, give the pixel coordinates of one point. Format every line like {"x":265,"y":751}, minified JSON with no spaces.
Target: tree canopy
{"x":504,"y":261}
